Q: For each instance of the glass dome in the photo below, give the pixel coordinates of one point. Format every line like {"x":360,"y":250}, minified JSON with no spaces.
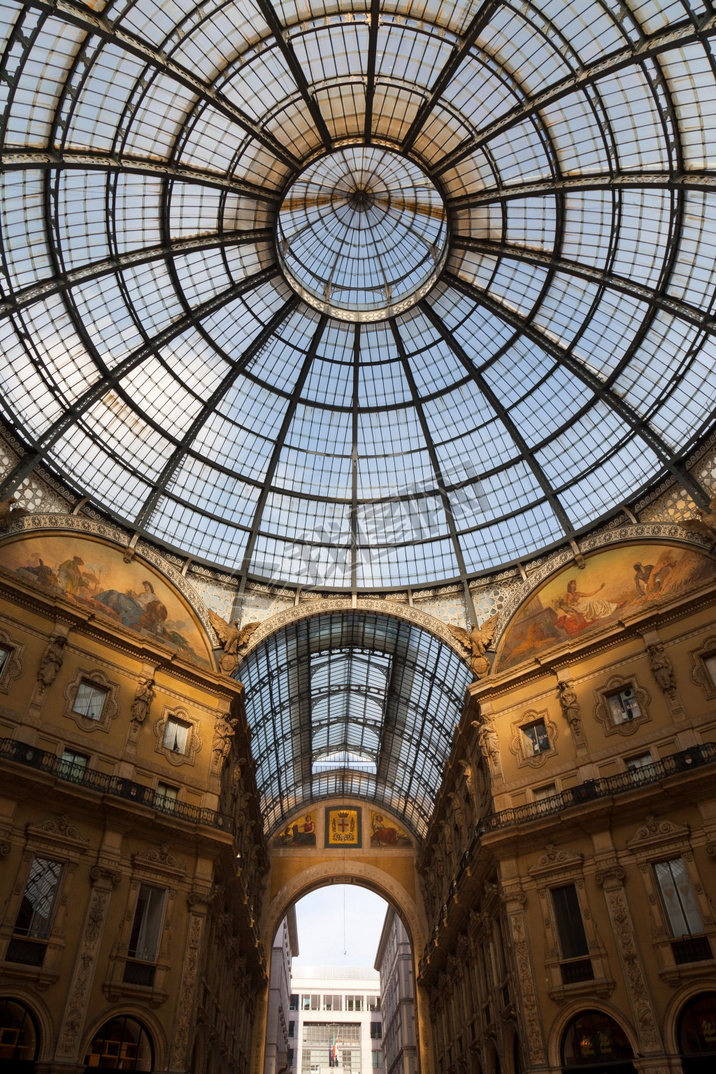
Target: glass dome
{"x":358,"y":294}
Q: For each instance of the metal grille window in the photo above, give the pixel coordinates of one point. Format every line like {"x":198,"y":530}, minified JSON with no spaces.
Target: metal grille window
{"x":678,"y":898}
{"x":89,"y":700}
{"x":38,"y":899}
{"x":147,"y":924}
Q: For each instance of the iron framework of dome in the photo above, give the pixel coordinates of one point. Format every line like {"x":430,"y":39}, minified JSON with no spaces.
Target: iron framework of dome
{"x":552,"y":357}
{"x":352,"y":705}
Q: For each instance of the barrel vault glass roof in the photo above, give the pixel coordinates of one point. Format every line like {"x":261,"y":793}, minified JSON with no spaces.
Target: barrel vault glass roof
{"x":352,"y":705}
{"x":155,"y":354}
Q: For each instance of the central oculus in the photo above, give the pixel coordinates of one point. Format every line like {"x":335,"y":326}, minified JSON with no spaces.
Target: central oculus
{"x":362,"y":233}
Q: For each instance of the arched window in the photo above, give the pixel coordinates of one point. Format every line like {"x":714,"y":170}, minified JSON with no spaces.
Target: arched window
{"x":595,"y":1042}
{"x":121,"y":1044}
{"x":697,"y":1034}
{"x":19,"y":1038}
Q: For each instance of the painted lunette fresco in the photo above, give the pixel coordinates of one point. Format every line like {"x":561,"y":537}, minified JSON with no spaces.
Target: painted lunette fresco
{"x":615,"y":582}
{"x":95,"y":576}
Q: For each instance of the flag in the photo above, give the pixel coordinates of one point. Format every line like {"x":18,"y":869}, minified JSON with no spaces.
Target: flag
{"x":333,"y":1054}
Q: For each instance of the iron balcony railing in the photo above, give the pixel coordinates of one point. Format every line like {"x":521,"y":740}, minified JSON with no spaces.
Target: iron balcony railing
{"x":117,"y":786}
{"x":591,"y":789}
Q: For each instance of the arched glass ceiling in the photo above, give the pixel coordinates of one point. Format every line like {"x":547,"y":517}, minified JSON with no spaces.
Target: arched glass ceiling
{"x":153,"y":352}
{"x":351,"y":704}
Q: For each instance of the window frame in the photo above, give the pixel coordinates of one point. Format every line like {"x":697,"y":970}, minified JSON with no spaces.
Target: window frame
{"x":193,"y":740}
{"x":602,"y":709}
{"x":110,"y":708}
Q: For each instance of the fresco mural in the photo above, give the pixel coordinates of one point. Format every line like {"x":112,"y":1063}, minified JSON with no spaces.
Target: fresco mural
{"x":615,"y":582}
{"x":299,"y":833}
{"x":384,"y":833}
{"x":95,"y":576}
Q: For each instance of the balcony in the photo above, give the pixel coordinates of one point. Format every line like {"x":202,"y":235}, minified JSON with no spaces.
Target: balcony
{"x":686,"y":761}
{"x":116,"y":786}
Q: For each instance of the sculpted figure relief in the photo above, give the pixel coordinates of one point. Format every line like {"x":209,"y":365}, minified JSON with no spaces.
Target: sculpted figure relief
{"x":662,"y":669}
{"x":142,"y":700}
{"x":51,"y":660}
{"x":476,"y":642}
{"x":232,"y":639}
{"x":488,"y":741}
{"x":224,"y":731}
{"x":570,"y":706}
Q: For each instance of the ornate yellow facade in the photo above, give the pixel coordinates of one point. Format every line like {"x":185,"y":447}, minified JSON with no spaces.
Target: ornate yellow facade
{"x":560,"y":905}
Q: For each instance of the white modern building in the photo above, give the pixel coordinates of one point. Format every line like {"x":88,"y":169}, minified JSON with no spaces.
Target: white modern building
{"x":335,"y":1020}
{"x":285,"y":948}
{"x":394,"y":962}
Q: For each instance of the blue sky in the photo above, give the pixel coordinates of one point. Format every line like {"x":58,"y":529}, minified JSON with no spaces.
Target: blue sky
{"x":320,"y":917}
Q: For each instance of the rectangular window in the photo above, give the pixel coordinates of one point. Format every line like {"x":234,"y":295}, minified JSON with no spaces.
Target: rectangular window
{"x":376,"y":1058}
{"x":376,"y":1030}
{"x":710,"y":665}
{"x":547,"y":791}
{"x":568,"y":918}
{"x":147,"y":926}
{"x":354,"y":1003}
{"x":73,"y":766}
{"x":38,"y":900}
{"x":332,"y":1003}
{"x":640,"y":760}
{"x":89,"y":700}
{"x":165,"y":797}
{"x":373,"y":1003}
{"x":623,"y":705}
{"x":679,"y":898}
{"x":293,"y":1004}
{"x":290,"y":1054}
{"x":292,"y":1029}
{"x":310,"y":1003}
{"x":535,"y":738}
{"x":176,"y":735}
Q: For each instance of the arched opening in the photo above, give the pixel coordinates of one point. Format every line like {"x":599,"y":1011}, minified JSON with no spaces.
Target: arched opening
{"x":341,"y":988}
{"x":121,"y":1044}
{"x":19,"y":1037}
{"x":697,"y":1034}
{"x":593,"y":1042}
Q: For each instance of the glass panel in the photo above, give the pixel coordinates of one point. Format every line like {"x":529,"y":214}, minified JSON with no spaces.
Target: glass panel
{"x":679,"y":898}
{"x":89,"y":700}
{"x":35,"y":912}
{"x":148,"y":917}
{"x":176,"y":735}
{"x":568,"y":918}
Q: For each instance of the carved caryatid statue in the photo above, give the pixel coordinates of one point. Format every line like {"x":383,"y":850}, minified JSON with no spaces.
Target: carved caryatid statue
{"x":142,"y":700}
{"x":476,"y":642}
{"x":51,"y":661}
{"x":232,"y":639}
